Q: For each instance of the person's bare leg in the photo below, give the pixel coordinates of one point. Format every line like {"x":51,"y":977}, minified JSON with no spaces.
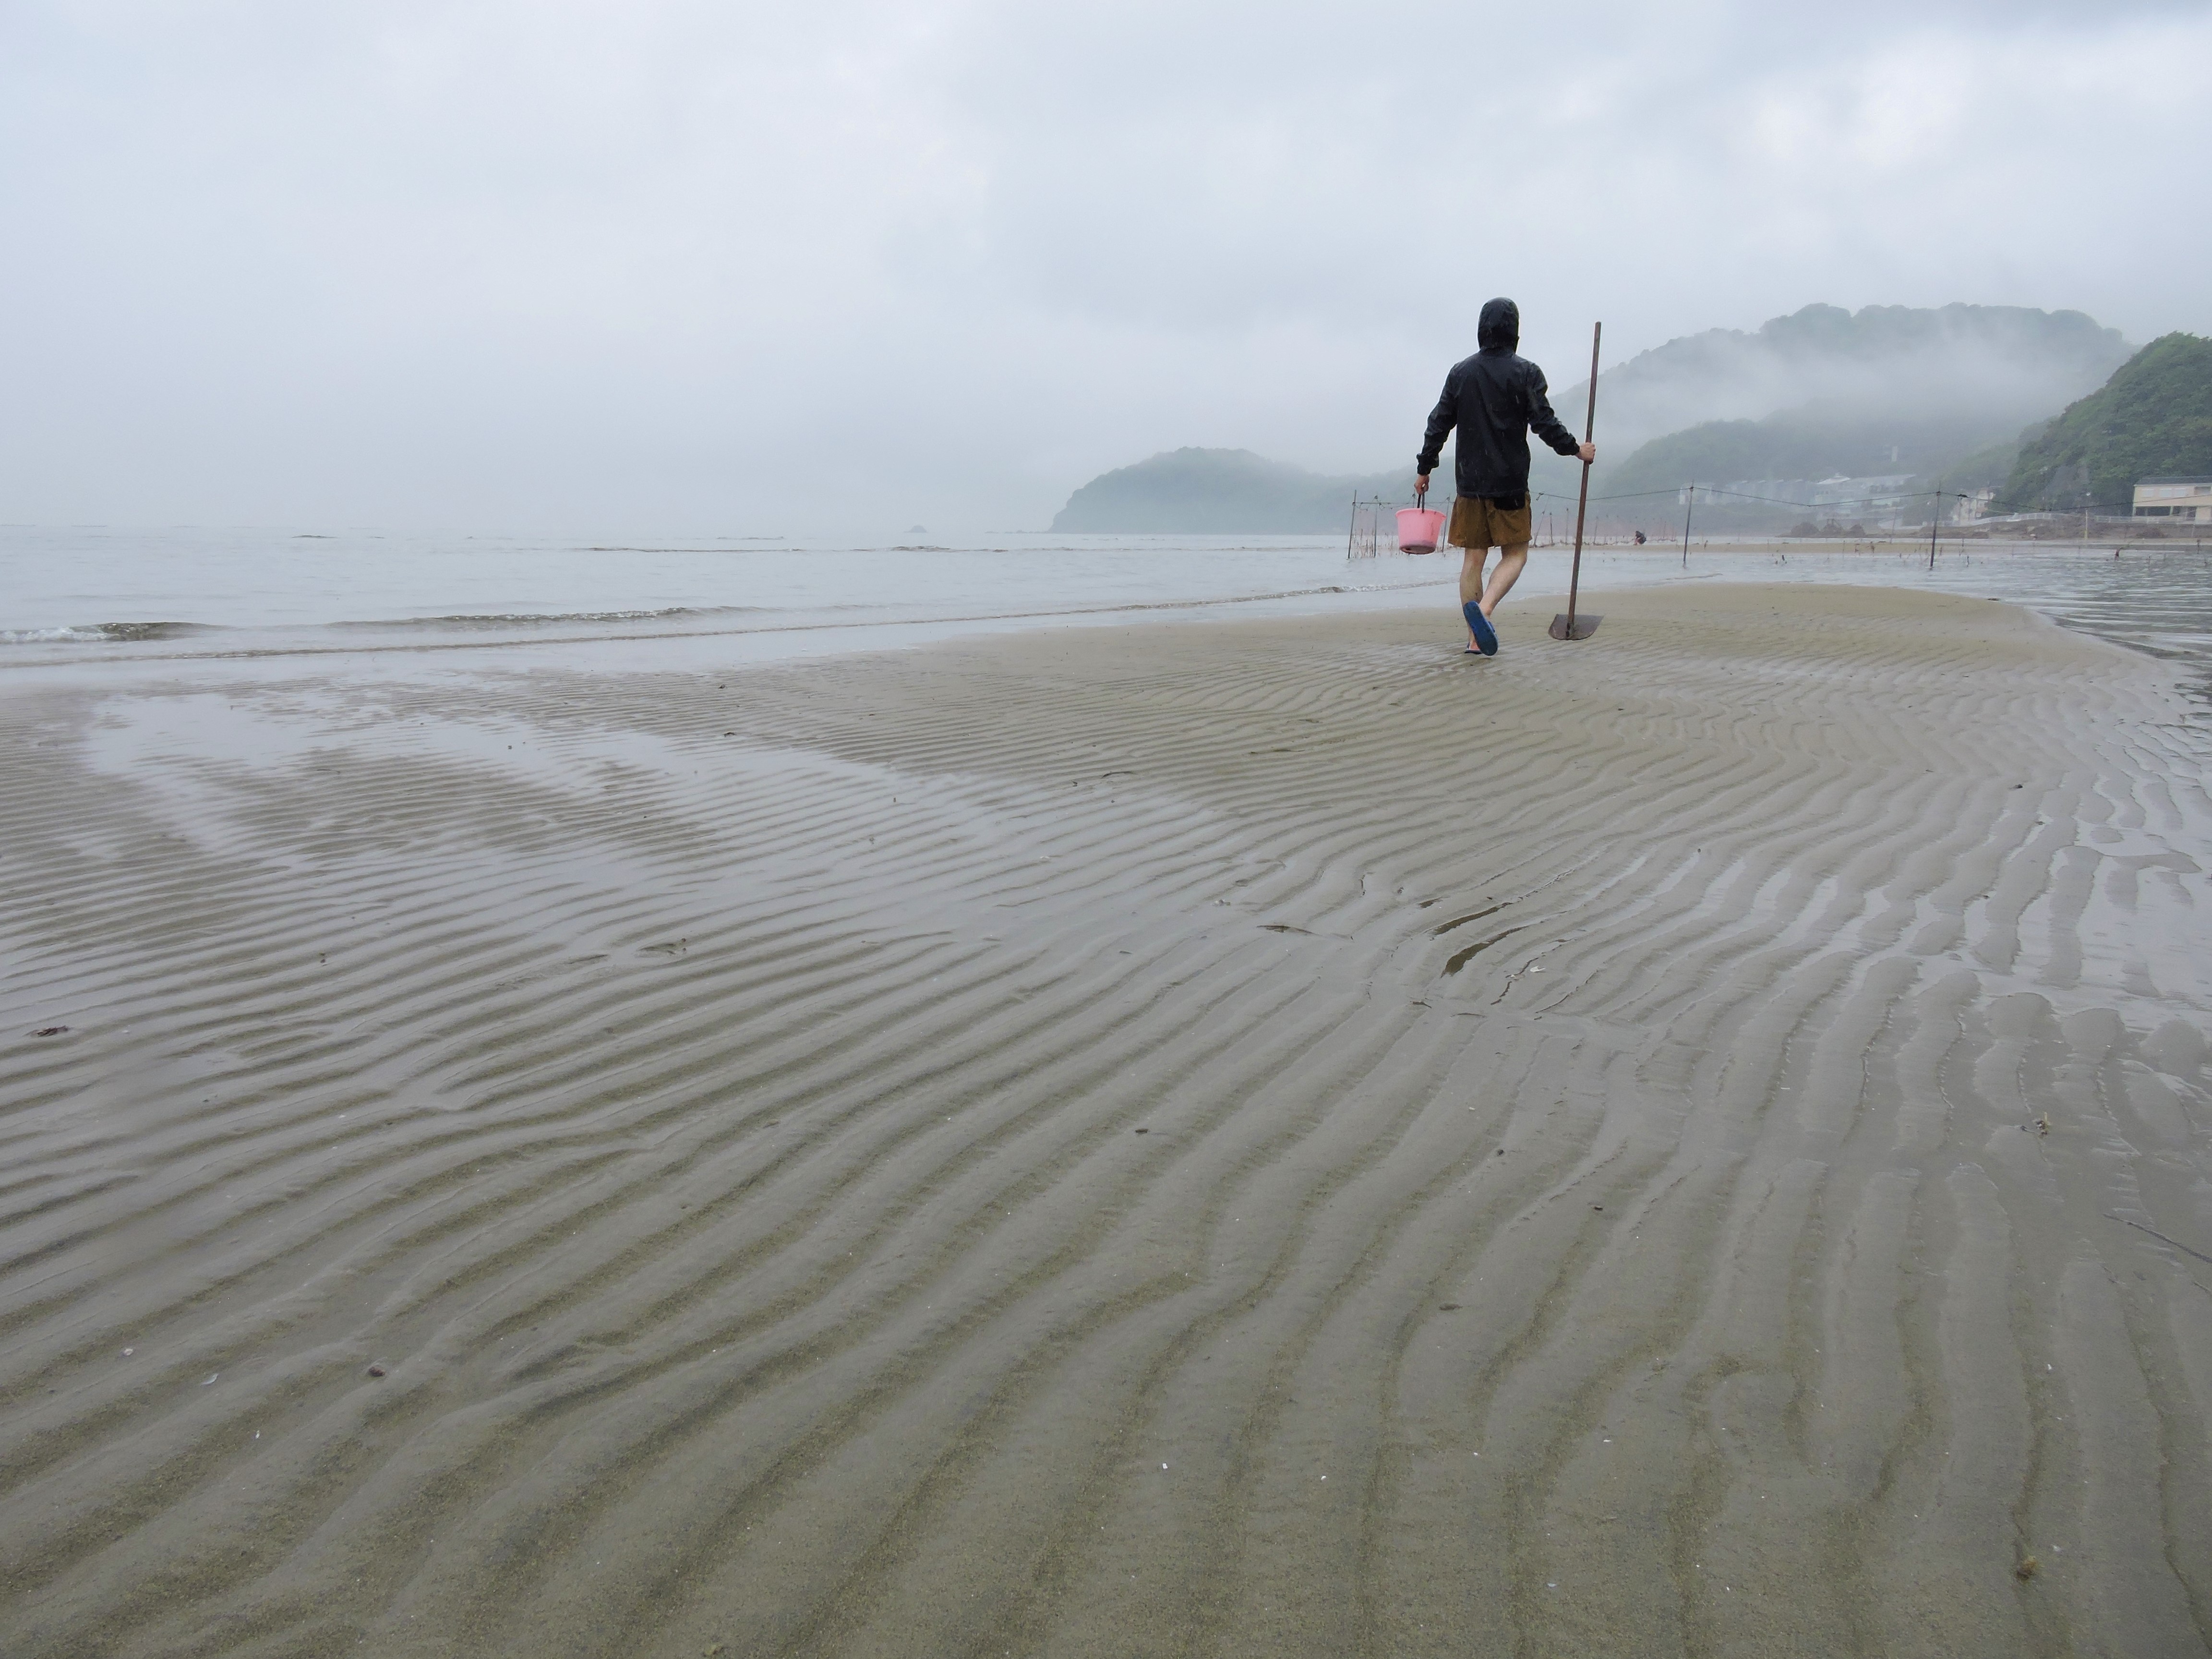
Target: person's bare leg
{"x":1511,"y":562}
{"x":1470,"y":578}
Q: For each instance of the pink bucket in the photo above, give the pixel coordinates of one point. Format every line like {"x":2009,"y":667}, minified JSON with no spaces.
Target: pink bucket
{"x":1419,"y":530}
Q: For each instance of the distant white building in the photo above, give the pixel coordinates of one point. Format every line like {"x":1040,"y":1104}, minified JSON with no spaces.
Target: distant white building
{"x":1973,"y":509}
{"x":2174,"y":498}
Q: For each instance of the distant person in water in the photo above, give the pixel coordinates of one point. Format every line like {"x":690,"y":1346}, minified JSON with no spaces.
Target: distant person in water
{"x":1495,"y":398}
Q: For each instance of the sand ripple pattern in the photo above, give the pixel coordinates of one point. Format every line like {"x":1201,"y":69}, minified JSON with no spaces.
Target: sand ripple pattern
{"x":1253,"y":1138}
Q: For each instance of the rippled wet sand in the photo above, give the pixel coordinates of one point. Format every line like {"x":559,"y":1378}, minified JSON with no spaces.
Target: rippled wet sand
{"x":1261,"y":1137}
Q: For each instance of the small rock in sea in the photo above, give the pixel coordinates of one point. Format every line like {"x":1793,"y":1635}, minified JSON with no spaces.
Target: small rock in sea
{"x":376,"y":1370}
{"x":50,"y":1030}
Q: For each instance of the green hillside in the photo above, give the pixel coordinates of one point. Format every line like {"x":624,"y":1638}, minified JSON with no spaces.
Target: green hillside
{"x":1986,"y":469}
{"x":2152,"y":419}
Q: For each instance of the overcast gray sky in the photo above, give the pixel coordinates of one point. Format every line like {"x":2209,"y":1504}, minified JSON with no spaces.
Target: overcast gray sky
{"x":713,"y":268}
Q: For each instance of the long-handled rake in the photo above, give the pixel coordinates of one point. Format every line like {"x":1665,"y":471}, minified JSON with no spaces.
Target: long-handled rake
{"x":1567,"y":625}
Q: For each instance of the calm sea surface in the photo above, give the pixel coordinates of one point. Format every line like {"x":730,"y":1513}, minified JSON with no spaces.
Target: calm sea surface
{"x":97,"y":594}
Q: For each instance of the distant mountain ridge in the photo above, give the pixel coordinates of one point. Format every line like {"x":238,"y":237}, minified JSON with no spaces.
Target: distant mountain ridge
{"x":1822,"y":391}
{"x":1991,"y":360}
{"x":1885,"y":390}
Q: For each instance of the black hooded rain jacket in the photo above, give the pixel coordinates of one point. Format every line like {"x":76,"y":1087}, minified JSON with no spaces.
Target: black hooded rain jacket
{"x":1495,"y":398}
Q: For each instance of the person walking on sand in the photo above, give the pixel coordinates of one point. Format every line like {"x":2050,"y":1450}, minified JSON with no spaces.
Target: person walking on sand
{"x":1495,"y":398}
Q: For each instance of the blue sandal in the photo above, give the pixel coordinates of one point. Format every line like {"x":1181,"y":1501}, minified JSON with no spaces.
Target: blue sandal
{"x":1486,"y":637}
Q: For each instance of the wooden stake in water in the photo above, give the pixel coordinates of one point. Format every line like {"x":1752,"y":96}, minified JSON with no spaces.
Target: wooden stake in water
{"x":1570,"y":626}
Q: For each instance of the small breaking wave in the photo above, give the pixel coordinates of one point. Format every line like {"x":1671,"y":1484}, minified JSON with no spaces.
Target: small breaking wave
{"x":132,"y":633}
{"x":500,"y":619}
{"x":487,"y":631}
{"x":102,"y":633}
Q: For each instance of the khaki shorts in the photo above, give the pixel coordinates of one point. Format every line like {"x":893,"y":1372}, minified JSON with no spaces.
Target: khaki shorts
{"x":1479,"y":523}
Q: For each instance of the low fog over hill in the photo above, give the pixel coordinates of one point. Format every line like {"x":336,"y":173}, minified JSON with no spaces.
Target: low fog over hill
{"x":1821,"y":441}
{"x":1888,"y":390}
{"x":1994,"y":360}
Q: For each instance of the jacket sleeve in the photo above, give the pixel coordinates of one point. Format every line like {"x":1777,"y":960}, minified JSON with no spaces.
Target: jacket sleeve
{"x":1442,"y":419}
{"x":1542,"y":420}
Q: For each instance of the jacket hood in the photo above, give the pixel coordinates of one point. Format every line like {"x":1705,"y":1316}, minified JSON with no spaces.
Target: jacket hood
{"x":1500,"y":327}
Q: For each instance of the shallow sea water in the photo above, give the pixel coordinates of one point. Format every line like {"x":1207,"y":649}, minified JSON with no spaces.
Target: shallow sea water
{"x":101,"y":594}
